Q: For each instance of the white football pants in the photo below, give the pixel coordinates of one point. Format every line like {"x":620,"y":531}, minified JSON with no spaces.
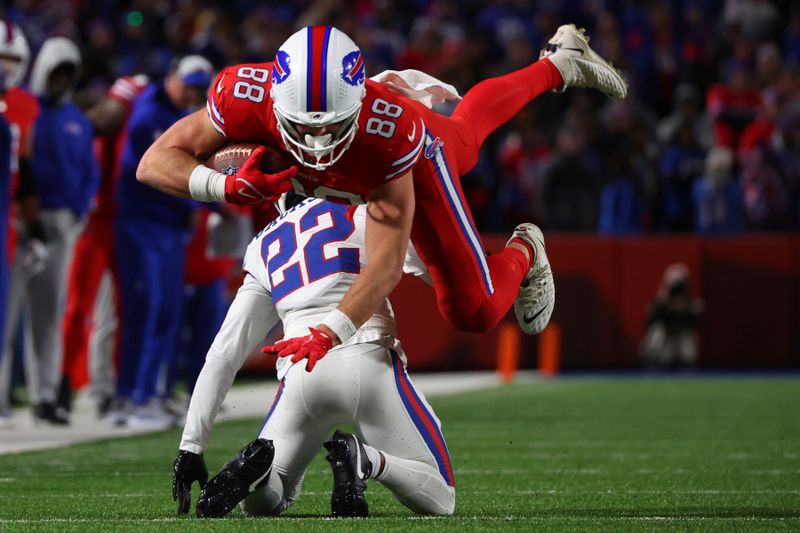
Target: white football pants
{"x":366,"y":386}
{"x":102,"y":341}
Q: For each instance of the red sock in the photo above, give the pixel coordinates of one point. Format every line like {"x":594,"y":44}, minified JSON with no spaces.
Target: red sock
{"x":531,"y":250}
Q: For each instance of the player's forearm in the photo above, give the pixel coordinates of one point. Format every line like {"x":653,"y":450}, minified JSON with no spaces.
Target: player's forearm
{"x":370,"y":289}
{"x":214,"y":381}
{"x":170,"y":160}
{"x":167,"y":169}
{"x":389,"y":216}
{"x":249,"y":319}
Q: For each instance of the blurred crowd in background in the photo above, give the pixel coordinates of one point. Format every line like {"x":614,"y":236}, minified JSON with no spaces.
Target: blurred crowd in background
{"x":708,"y":141}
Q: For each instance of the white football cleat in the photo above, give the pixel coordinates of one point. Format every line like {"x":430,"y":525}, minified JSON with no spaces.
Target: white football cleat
{"x":537,"y":294}
{"x":580,"y":66}
{"x":152,"y":416}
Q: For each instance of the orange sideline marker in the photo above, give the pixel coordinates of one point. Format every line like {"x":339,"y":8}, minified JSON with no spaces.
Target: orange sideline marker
{"x":508,"y":341}
{"x":550,"y":350}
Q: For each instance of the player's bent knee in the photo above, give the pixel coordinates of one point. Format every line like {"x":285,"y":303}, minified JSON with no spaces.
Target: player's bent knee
{"x":435,"y":498}
{"x":263,"y":502}
{"x":450,"y":505}
{"x":438,"y":507}
{"x":444,"y":510}
{"x":471,"y":315}
{"x":473,"y":323}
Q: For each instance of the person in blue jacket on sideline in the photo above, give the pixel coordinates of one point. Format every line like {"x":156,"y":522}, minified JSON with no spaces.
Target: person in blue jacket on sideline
{"x":152,"y":231}
{"x":66,"y":176}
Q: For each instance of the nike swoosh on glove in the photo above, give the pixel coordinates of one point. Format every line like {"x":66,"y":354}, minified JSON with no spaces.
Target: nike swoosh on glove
{"x":251,"y":186}
{"x":313,"y":346}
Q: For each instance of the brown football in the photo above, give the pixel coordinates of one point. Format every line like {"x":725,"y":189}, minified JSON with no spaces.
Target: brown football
{"x":231,"y":157}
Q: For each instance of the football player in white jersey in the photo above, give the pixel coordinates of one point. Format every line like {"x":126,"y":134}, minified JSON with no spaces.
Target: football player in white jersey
{"x":298,"y":268}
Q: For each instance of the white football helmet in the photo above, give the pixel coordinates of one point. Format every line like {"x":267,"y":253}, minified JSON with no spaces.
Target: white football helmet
{"x":318,"y":80}
{"x":14,"y":55}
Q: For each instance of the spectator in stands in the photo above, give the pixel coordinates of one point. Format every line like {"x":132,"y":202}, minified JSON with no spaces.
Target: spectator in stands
{"x":622,"y":206}
{"x":522,"y":156}
{"x":756,"y":19}
{"x":790,"y":162}
{"x":734,"y":103}
{"x":769,"y":64}
{"x":791,"y":38}
{"x":717,"y":195}
{"x":152,"y":230}
{"x":681,"y":163}
{"x":687,"y":107}
{"x":696,"y":57}
{"x":658,"y":45}
{"x":665,"y":52}
{"x":570,"y":185}
{"x":66,"y":177}
{"x":672,"y":321}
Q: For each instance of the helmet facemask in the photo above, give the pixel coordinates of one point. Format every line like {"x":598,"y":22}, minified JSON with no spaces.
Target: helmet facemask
{"x":317,"y":152}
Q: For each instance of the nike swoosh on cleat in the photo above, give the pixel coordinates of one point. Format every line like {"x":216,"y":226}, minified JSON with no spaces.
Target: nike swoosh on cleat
{"x":530,"y":319}
{"x":579,"y":50}
{"x":358,"y":450}
{"x":255,"y":483}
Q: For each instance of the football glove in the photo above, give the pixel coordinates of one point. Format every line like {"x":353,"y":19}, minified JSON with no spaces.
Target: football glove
{"x":188,"y":468}
{"x":251,"y":186}
{"x":34,"y":256}
{"x":313,"y":346}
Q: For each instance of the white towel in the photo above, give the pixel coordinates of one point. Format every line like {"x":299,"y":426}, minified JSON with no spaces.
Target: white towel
{"x":418,"y":85}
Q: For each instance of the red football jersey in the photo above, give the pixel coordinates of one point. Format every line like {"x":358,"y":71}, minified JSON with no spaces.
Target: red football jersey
{"x":20,"y":109}
{"x":109,"y":149}
{"x":387,"y":144}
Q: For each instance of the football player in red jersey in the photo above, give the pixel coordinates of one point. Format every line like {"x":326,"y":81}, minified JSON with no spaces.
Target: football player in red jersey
{"x":359,"y":141}
{"x":20,"y":109}
{"x":93,"y":258}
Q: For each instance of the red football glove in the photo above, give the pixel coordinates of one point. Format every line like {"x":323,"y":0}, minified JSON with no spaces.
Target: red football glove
{"x":313,"y":346}
{"x":251,"y":186}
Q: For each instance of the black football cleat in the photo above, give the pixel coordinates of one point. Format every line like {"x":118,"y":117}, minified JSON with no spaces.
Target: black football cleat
{"x":48,"y":413}
{"x":247,"y":471}
{"x":351,"y":468}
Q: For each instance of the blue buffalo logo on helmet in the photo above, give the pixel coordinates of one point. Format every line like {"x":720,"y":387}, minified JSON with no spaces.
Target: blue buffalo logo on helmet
{"x":353,"y":68}
{"x":280,"y":67}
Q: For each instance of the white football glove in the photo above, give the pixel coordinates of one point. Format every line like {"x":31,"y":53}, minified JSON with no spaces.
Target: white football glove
{"x":34,"y":256}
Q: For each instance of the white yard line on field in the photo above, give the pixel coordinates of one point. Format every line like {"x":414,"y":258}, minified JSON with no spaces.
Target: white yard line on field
{"x":454,"y":518}
{"x":531,"y":492}
{"x":243,"y":401}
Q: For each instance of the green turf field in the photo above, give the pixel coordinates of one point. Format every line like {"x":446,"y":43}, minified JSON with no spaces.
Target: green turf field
{"x":570,"y":454}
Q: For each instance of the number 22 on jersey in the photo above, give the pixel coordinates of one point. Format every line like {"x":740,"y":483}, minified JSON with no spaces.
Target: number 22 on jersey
{"x":295,"y":253}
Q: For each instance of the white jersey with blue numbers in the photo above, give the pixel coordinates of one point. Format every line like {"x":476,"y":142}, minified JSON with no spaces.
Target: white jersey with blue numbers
{"x":308,"y":258}
{"x":299,"y":268}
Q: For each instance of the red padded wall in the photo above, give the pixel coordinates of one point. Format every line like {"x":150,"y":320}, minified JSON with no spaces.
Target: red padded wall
{"x":750,"y":286}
